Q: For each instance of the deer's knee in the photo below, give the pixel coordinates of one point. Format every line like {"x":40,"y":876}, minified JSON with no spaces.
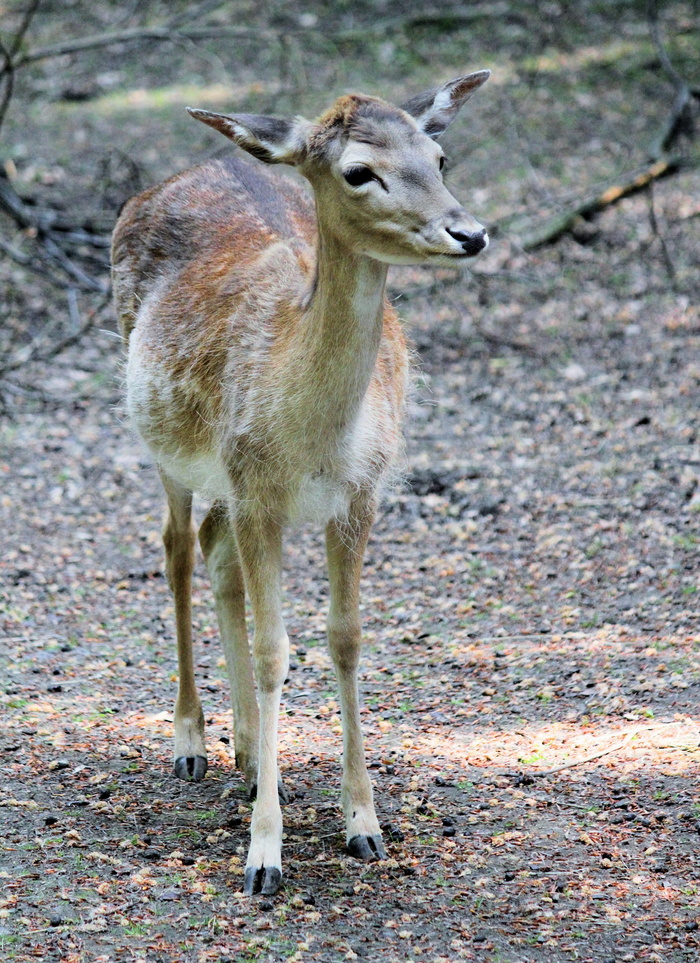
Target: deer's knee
{"x":345,"y":642}
{"x":219,"y":549}
{"x":179,"y":550}
{"x":271,"y":658}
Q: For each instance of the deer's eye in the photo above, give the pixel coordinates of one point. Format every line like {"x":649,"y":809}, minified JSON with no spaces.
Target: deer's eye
{"x":442,"y":161}
{"x":356,"y":176}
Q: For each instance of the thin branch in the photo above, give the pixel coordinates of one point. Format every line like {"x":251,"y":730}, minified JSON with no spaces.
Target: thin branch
{"x":542,"y":773}
{"x":48,"y":236}
{"x":664,"y":59}
{"x":7,"y":73}
{"x":81,"y":326}
{"x":55,"y":252}
{"x":194,"y":13}
{"x":133,"y":34}
{"x":7,"y":77}
{"x":27,"y":18}
{"x":681,"y":118}
{"x":654,"y":224}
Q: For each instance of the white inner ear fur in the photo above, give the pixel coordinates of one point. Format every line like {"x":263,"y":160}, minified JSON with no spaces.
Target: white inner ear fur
{"x":443,"y":101}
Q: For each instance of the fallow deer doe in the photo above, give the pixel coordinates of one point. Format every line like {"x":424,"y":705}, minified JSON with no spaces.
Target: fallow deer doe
{"x":267,"y":371}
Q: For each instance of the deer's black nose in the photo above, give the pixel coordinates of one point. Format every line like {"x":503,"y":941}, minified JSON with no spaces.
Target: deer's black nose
{"x":472,"y":243}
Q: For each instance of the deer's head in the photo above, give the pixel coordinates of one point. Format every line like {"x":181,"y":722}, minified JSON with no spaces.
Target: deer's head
{"x":376,"y":170}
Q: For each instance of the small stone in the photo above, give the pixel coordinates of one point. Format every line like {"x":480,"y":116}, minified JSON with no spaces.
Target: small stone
{"x":392,"y":832}
{"x":691,"y":926}
{"x":104,"y":794}
{"x":188,"y":860}
{"x":51,"y":820}
{"x":449,"y":831}
{"x":152,"y":854}
{"x":441,"y":781}
{"x":170,"y":894}
{"x":265,"y":905}
{"x":55,"y":920}
{"x":309,"y":899}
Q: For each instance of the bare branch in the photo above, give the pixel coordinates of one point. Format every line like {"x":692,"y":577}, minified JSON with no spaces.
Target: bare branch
{"x":7,"y":72}
{"x":50,"y":236}
{"x":7,"y":78}
{"x":194,"y":13}
{"x":34,"y":352}
{"x":653,"y":222}
{"x":664,"y":59}
{"x":27,"y":18}
{"x":139,"y":34}
{"x":559,"y":224}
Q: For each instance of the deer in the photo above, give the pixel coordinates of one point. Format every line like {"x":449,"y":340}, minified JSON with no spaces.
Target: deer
{"x":267,"y":373}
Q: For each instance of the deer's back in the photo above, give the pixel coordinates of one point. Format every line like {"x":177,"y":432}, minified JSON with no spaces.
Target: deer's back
{"x":216,"y":217}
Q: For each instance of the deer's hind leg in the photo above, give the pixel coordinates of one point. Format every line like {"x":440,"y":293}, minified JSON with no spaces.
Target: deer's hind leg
{"x":346,"y":541}
{"x":218,"y":543}
{"x":179,"y":540}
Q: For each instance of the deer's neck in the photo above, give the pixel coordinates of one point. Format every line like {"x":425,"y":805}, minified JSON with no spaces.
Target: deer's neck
{"x":341,"y":331}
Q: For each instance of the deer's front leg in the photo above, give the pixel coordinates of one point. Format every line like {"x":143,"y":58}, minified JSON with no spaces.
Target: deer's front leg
{"x":345,"y":544}
{"x":259,"y":542}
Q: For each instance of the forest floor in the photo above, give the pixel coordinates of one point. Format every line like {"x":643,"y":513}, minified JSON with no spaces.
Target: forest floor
{"x":531,"y":604}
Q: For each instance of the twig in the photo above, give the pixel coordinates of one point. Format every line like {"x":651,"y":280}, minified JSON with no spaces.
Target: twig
{"x":670,"y":269}
{"x":48,"y":236}
{"x":514,"y":343}
{"x":540,"y":774}
{"x":7,"y":75}
{"x":33,"y":351}
{"x":72,"y":270}
{"x":8,"y":70}
{"x":194,"y":13}
{"x":664,"y":59}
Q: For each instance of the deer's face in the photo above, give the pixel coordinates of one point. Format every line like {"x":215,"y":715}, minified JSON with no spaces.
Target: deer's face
{"x":382,"y":191}
{"x":376,"y":170}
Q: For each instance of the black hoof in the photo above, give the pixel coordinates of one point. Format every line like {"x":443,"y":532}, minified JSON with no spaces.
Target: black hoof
{"x":266,"y":880}
{"x":191,"y":768}
{"x":367,"y":847}
{"x":281,"y":792}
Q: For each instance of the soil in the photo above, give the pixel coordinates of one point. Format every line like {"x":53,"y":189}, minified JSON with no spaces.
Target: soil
{"x":531,"y":594}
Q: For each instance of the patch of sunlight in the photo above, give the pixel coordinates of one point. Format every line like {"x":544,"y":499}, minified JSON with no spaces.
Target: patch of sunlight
{"x":556,"y":60}
{"x":179,"y":95}
{"x":673,"y":743}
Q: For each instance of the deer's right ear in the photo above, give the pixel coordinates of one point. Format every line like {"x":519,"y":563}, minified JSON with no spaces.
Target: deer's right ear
{"x":274,"y":140}
{"x":435,"y":109}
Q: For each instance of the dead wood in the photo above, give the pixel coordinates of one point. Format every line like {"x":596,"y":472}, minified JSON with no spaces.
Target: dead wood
{"x":553,"y":228}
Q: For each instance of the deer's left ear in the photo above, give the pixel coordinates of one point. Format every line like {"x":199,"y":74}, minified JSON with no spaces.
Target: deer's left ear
{"x":274,"y":140}
{"x":434,"y":110}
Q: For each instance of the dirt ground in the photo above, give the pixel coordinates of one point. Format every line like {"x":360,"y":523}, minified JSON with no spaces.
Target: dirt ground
{"x":531,"y":596}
